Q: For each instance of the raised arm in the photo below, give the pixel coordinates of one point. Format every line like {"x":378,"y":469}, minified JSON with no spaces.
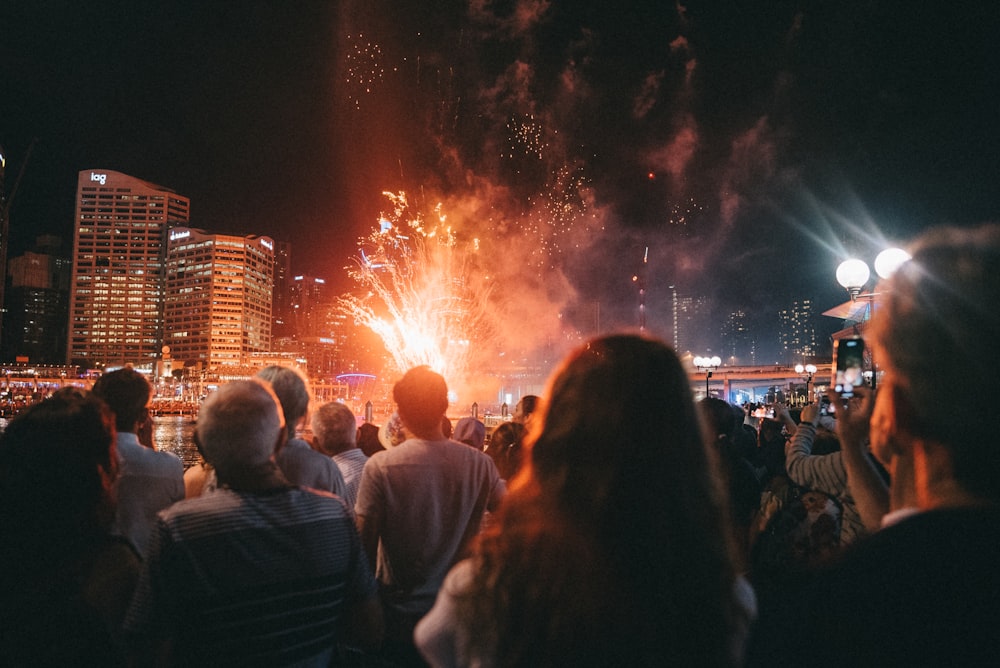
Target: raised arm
{"x":823,"y":472}
{"x":871,"y":494}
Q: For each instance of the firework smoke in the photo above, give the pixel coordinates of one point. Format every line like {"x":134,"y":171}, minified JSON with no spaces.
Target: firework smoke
{"x":552,"y":173}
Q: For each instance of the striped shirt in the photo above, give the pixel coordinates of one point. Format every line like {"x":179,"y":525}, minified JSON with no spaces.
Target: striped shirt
{"x":351,"y":463}
{"x":251,"y":578}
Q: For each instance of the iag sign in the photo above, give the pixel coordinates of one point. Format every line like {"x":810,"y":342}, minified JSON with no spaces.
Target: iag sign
{"x":100,"y":178}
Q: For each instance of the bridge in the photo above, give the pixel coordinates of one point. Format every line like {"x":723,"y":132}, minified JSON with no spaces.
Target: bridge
{"x":739,"y":384}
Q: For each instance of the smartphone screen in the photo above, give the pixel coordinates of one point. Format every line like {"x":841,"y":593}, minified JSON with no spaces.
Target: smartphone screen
{"x":850,"y":358}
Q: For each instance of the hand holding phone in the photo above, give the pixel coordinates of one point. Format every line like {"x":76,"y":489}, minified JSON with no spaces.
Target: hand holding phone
{"x":850,"y":361}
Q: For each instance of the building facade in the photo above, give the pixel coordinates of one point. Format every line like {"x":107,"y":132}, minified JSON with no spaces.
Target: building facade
{"x":218,"y":298}
{"x":692,"y":318}
{"x":281,"y":303}
{"x":36,"y":304}
{"x":35,"y":325}
{"x":116,"y":288}
{"x":739,"y":345}
{"x":797,"y":332}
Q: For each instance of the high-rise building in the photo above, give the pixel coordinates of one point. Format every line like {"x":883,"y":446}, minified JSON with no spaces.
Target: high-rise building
{"x":4,"y":234}
{"x":37,"y":299}
{"x":797,"y":332}
{"x":116,"y":289}
{"x":309,"y":302}
{"x":739,"y":346}
{"x":315,"y":327}
{"x":218,"y":303}
{"x":692,"y":319}
{"x":281,"y":303}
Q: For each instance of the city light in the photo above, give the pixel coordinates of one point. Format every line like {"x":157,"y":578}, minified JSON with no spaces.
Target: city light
{"x":853,"y":274}
{"x":708,"y":365}
{"x":809,"y":370}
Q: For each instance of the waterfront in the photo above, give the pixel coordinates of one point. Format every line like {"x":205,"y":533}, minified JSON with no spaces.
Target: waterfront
{"x":175,"y":433}
{"x":172,"y":433}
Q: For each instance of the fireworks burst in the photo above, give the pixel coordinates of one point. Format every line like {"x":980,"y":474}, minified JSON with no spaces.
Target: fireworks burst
{"x":525,"y":136}
{"x":685,"y":212}
{"x":365,"y":70}
{"x":563,"y":218}
{"x":422,"y":292}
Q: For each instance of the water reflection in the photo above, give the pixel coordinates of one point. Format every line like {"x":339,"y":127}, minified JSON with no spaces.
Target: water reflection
{"x":175,"y":433}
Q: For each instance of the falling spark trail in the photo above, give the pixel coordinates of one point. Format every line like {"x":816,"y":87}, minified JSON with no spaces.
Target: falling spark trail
{"x":422,"y":293}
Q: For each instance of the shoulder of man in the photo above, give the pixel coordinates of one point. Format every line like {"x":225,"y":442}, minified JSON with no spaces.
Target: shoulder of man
{"x":162,"y":460}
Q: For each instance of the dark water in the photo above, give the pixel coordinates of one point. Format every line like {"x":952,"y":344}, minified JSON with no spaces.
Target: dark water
{"x":175,"y":434}
{"x":171,"y":433}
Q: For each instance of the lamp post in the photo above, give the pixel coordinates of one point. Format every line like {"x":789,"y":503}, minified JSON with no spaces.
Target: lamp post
{"x":808,"y":370}
{"x":853,"y":275}
{"x":708,"y":365}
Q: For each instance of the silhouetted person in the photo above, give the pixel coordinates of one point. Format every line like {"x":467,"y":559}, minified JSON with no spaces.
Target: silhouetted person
{"x":148,"y":480}
{"x":524,"y":409}
{"x":298,"y":461}
{"x":924,"y":590}
{"x":65,"y":580}
{"x":611,"y":550}
{"x":505,"y":448}
{"x":335,"y":432}
{"x":368,"y":441}
{"x":419,"y":504}
{"x":470,"y":431}
{"x":723,"y":423}
{"x":257,"y":571}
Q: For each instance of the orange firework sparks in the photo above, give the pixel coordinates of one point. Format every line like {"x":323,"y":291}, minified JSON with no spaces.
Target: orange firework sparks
{"x":423,"y":294}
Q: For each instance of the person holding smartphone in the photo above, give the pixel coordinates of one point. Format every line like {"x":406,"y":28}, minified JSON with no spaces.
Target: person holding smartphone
{"x":925,"y":588}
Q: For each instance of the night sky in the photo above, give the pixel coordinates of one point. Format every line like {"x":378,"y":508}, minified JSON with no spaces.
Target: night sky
{"x":749,"y":146}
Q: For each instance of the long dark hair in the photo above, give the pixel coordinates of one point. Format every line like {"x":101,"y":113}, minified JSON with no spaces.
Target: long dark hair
{"x":57,"y":468}
{"x":611,"y":546}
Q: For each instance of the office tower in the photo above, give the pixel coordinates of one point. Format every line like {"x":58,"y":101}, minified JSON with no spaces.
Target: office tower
{"x":218,"y":297}
{"x":37,"y":300}
{"x":797,"y":332}
{"x":116,"y":289}
{"x":739,"y":346}
{"x":317,"y":326}
{"x":4,"y":233}
{"x":309,"y":302}
{"x":692,"y":319}
{"x":281,"y":303}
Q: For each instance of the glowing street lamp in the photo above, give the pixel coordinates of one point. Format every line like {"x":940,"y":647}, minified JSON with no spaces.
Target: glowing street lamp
{"x":853,"y":274}
{"x":808,"y":370}
{"x":708,"y":365}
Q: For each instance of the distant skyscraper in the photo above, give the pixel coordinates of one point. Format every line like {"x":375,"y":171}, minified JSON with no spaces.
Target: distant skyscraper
{"x":218,"y":303}
{"x":797,"y":332}
{"x":739,"y":345}
{"x":4,"y":233}
{"x":692,"y":324}
{"x":309,"y":301}
{"x":116,"y":289}
{"x":282,"y":287}
{"x":37,"y":299}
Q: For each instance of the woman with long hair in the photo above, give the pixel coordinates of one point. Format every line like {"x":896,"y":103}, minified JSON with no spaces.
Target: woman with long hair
{"x":66,"y":580}
{"x":611,"y":547}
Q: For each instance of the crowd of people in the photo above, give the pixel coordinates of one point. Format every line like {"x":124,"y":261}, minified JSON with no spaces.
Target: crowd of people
{"x":615,"y":521}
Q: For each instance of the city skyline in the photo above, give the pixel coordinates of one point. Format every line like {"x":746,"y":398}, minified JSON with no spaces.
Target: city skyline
{"x":126,"y":223}
{"x":742,"y":150}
